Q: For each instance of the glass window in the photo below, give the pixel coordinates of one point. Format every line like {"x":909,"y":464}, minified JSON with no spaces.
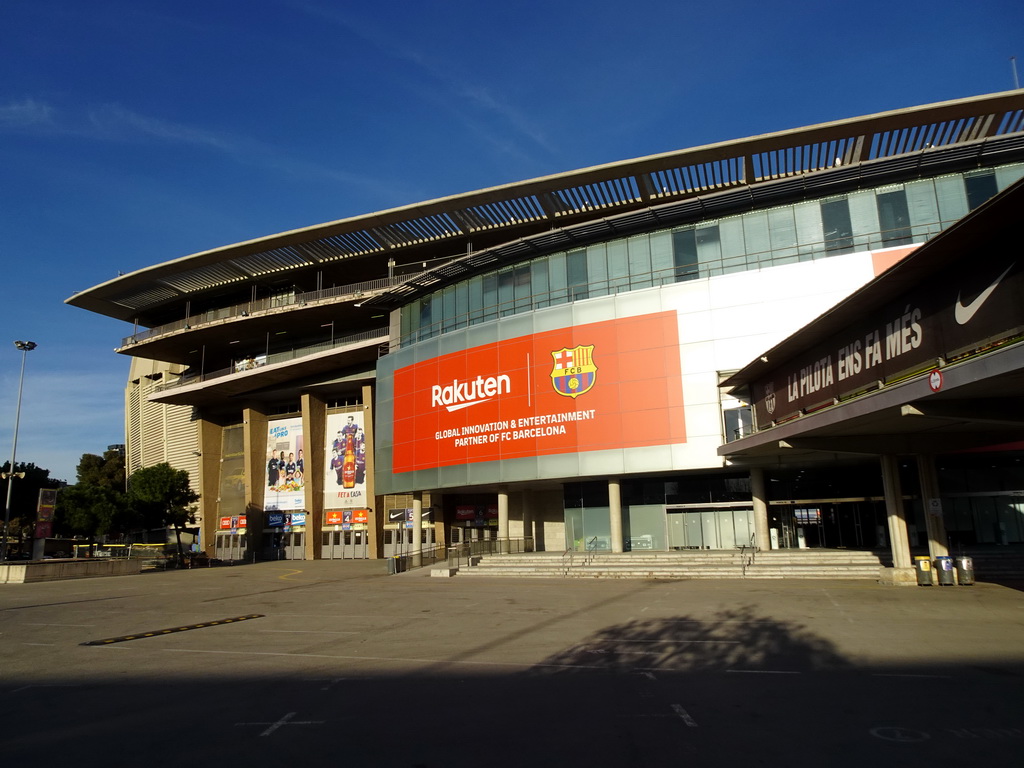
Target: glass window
{"x":709,"y":250}
{"x":684,"y":254}
{"x":556,"y":274}
{"x":506,"y":291}
{"x":836,"y":227}
{"x":639,"y":249}
{"x":490,"y":295}
{"x":448,"y":308}
{"x":755,"y":235}
{"x":522,"y":288}
{"x":864,"y":220}
{"x":782,"y":233}
{"x":576,"y":270}
{"x":894,"y":217}
{"x":476,"y":299}
{"x":618,"y":267}
{"x":809,"y":231}
{"x":952,"y":199}
{"x":597,"y":269}
{"x":462,"y":304}
{"x":924,"y":210}
{"x":539,"y":282}
{"x":661,"y":258}
{"x":980,"y":187}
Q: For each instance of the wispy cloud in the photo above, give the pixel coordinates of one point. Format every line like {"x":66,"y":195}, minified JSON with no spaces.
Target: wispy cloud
{"x":470,"y":102}
{"x":28,"y":113}
{"x":113,"y":121}
{"x":117,"y":123}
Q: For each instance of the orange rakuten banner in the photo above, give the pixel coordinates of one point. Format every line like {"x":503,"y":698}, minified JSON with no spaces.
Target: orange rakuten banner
{"x":613,"y":384}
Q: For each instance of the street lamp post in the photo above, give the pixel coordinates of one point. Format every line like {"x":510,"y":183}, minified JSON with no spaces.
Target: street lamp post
{"x":25,"y":347}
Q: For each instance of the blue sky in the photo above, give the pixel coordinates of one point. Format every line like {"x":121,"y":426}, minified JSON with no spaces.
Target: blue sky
{"x":137,"y":131}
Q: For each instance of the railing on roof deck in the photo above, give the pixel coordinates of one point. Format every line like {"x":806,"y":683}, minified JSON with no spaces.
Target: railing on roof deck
{"x":353,"y":291}
{"x":374,"y":336}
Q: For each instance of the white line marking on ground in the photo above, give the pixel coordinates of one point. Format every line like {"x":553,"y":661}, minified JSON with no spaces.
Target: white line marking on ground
{"x":311,"y":631}
{"x":59,"y":625}
{"x":286,"y":720}
{"x":38,"y":643}
{"x":684,"y":716}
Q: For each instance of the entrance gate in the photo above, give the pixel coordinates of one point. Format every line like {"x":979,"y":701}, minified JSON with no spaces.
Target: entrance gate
{"x":344,"y":545}
{"x":230,"y":547}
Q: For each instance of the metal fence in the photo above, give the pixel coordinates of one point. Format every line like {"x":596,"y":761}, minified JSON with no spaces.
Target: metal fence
{"x":409,"y":560}
{"x":468,"y":553}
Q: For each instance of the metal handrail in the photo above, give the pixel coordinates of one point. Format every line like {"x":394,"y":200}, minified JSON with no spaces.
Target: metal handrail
{"x":591,"y":550}
{"x":276,"y":357}
{"x":353,"y":291}
{"x":744,"y":560}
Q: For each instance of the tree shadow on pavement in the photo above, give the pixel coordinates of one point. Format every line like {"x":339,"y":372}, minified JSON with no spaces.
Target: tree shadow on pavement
{"x":736,"y":639}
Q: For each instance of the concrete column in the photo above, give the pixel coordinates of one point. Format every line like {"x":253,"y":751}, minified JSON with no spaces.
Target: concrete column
{"x":615,"y":513}
{"x":895,"y":512}
{"x":759,"y":494}
{"x":417,"y":529}
{"x":527,"y":521}
{"x":314,"y":422}
{"x":502,"y":518}
{"x":932,"y":502}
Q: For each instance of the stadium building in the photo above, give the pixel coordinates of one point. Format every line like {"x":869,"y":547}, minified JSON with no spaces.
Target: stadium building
{"x":543,"y":363}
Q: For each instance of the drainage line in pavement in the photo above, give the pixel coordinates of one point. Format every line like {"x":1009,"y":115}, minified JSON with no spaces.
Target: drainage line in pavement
{"x":160,"y":632}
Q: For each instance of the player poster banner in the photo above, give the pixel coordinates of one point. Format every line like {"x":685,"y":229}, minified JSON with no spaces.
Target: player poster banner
{"x":285,"y":479}
{"x":606,"y":385}
{"x":345,"y":480}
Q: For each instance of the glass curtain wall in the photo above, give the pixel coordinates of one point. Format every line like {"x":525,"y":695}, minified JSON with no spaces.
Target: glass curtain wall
{"x":897,"y":214}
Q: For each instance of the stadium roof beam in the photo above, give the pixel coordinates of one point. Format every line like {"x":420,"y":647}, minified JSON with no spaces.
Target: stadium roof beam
{"x":509,"y":213}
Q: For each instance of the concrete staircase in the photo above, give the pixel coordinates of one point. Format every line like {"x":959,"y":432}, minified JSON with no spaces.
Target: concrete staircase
{"x":703,"y":564}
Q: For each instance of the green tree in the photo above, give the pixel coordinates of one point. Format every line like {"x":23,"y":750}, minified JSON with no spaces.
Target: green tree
{"x":97,"y":504}
{"x":106,"y":471}
{"x":162,"y":496}
{"x":92,"y":511}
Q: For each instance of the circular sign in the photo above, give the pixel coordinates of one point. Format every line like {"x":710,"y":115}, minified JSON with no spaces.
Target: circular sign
{"x":935,"y":380}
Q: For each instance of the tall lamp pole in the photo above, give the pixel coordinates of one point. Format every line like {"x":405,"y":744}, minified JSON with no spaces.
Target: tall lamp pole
{"x":25,"y":347}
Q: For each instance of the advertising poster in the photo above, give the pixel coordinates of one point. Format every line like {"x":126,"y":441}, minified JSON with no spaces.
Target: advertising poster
{"x":345,"y":480}
{"x":606,"y":385}
{"x":285,"y":481}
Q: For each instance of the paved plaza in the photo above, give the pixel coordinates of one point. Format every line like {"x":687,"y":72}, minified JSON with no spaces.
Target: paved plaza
{"x":336,"y":663}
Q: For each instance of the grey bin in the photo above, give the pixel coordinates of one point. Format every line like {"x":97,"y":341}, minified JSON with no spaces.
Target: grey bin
{"x":923,"y":568}
{"x":944,"y":568}
{"x":964,"y":571}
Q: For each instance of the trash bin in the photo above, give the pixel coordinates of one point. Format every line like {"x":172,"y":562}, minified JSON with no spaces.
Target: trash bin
{"x":944,"y":568}
{"x":923,"y":567}
{"x":392,"y":563}
{"x":964,"y":571}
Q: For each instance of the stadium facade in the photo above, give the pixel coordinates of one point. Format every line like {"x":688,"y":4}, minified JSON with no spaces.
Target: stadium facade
{"x":545,"y":360}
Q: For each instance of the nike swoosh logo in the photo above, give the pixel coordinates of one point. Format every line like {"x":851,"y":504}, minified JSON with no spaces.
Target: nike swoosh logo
{"x":963,"y":313}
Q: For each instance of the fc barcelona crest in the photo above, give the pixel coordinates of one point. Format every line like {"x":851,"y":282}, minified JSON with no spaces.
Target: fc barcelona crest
{"x":573,"y":372}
